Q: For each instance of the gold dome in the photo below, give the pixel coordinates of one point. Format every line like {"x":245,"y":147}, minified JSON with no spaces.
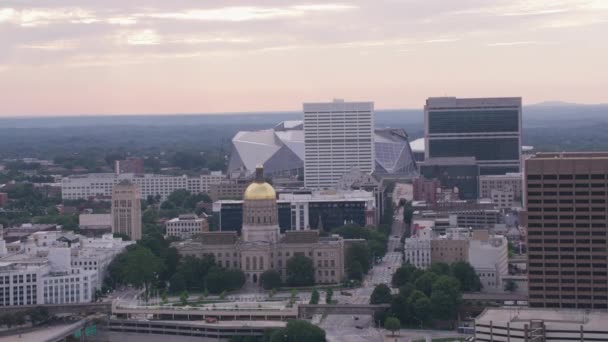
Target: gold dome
{"x":259,"y":191}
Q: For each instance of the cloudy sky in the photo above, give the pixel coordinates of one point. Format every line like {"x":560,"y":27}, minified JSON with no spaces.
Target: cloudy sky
{"x":190,"y":56}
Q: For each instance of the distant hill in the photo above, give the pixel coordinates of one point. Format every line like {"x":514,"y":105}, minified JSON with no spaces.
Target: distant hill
{"x":541,"y":114}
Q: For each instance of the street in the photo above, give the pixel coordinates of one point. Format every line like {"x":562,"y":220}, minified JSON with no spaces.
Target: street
{"x":361,"y":328}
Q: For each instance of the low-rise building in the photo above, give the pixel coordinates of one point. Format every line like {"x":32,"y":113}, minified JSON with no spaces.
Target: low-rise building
{"x":487,"y":254}
{"x":537,"y":324}
{"x":503,"y":199}
{"x":417,"y":249}
{"x":54,"y":267}
{"x":95,"y":224}
{"x":451,"y":246}
{"x":185,"y":226}
{"x":509,"y":181}
{"x":100,"y":185}
{"x":489,"y":257}
{"x":426,"y":190}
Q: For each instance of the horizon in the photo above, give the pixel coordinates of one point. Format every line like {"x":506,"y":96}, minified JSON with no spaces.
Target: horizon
{"x":554,"y":103}
{"x":75,"y":58}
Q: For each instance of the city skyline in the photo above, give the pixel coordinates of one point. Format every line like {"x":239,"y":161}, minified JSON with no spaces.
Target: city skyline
{"x":75,"y":58}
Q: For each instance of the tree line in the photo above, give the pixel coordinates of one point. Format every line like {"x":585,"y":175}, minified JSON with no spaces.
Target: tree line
{"x":426,"y":297}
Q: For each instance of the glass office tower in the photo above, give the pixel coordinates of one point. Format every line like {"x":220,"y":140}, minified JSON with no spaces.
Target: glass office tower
{"x":488,"y":129}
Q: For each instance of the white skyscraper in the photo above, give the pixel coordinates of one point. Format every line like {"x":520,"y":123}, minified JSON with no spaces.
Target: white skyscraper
{"x":337,"y":137}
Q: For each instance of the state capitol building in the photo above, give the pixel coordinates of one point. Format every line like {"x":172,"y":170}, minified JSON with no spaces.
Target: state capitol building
{"x":262,"y":247}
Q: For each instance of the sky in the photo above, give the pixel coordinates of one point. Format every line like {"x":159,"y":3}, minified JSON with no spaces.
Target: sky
{"x":81,"y":57}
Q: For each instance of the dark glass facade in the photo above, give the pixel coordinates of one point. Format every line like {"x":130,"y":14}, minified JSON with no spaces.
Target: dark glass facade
{"x":464,"y":177}
{"x":335,"y":214}
{"x":231,"y":217}
{"x":284,"y":216}
{"x":331,"y":214}
{"x":477,"y":121}
{"x":480,"y":148}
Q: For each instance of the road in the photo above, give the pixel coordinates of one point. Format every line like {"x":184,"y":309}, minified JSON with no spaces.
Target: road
{"x":360,"y":328}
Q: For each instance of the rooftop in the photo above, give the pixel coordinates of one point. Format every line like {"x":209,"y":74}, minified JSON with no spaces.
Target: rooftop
{"x":307,"y":236}
{"x":450,"y":161}
{"x":554,"y":318}
{"x":454,"y":102}
{"x":570,"y":155}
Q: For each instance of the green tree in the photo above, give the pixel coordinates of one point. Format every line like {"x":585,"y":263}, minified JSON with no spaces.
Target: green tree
{"x":354,"y":270}
{"x":400,"y":308}
{"x":183,"y":298}
{"x":270,"y":279}
{"x":404,"y":275}
{"x":392,"y":324}
{"x":300,"y":271}
{"x":142,"y":268}
{"x":440,"y":268}
{"x":358,"y":253}
{"x":425,"y":283}
{"x":314,"y":297}
{"x":446,"y":298}
{"x":177,"y":283}
{"x":298,"y":330}
{"x":329,"y":293}
{"x":381,"y":295}
{"x":420,"y":306}
{"x":234,"y":279}
{"x":510,"y":286}
{"x":442,"y":305}
{"x":39,"y":314}
{"x":466,"y":275}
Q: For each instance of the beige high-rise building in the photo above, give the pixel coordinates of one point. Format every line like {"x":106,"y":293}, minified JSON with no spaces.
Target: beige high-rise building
{"x":126,"y":210}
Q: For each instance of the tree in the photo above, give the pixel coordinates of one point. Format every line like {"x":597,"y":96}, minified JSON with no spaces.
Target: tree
{"x":442,"y":305}
{"x":177,"y":283}
{"x":381,"y":295}
{"x":403,"y":275}
{"x":510,"y":286}
{"x":19,"y":318}
{"x":270,"y":279}
{"x":425,"y":283}
{"x":354,"y":270}
{"x":314,"y":297}
{"x":360,"y":253}
{"x":420,"y":306}
{"x":141,"y":268}
{"x":234,"y":279}
{"x":300,"y":271}
{"x":183,"y":298}
{"x":329,"y":293}
{"x":400,"y":308}
{"x":466,"y":275}
{"x":392,"y":324}
{"x":440,"y":268}
{"x":298,"y":330}
{"x":39,"y":314}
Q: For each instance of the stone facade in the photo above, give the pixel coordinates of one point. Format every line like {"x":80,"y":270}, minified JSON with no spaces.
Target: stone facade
{"x":261,"y":247}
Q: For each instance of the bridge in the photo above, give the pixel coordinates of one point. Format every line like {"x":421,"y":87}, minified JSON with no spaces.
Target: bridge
{"x":84,"y":308}
{"x":308,"y":310}
{"x":496,"y":297}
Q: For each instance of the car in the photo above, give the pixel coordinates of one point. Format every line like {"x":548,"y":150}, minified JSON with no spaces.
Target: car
{"x":359,"y":327}
{"x":345,"y":293}
{"x":356,"y":318}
